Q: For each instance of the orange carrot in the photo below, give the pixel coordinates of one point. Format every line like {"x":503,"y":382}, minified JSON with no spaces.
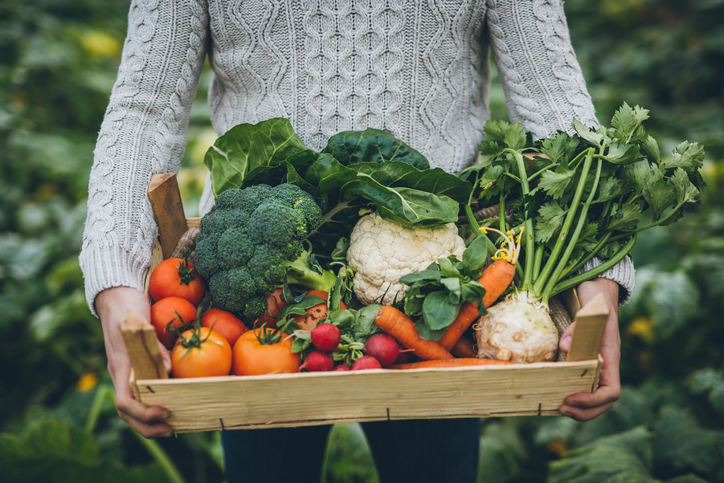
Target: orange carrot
{"x":464,"y":348}
{"x":402,"y":328}
{"x":496,"y":278}
{"x":464,"y":362}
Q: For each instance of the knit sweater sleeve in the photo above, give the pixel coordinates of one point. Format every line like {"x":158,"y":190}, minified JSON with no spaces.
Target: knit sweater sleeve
{"x":143,"y":133}
{"x":543,"y":83}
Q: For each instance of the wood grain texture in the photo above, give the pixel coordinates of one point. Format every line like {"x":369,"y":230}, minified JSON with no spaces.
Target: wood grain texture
{"x":142,"y":346}
{"x":305,"y":399}
{"x":588,"y":332}
{"x":168,"y":210}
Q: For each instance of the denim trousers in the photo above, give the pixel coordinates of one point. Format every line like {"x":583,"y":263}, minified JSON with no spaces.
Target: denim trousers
{"x":439,"y":450}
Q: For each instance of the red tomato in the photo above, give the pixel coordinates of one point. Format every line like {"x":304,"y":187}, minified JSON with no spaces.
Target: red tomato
{"x":175,"y":278}
{"x":315,"y":313}
{"x":212,"y":357}
{"x":253,"y":358}
{"x":224,"y":323}
{"x":274,"y":306}
{"x":163,"y":313}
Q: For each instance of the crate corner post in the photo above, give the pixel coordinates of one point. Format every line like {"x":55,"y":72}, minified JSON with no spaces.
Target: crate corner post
{"x":590,"y":323}
{"x":142,"y":346}
{"x":168,"y":210}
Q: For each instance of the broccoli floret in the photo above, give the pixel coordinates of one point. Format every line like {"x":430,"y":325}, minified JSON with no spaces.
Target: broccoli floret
{"x":248,"y":240}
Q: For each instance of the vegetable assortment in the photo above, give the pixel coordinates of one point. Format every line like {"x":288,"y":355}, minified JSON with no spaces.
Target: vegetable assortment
{"x":356,"y":257}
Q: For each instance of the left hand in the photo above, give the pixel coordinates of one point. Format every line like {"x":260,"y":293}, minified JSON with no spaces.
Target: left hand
{"x":586,"y":406}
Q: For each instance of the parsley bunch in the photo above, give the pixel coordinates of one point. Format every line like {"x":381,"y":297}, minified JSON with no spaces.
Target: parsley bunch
{"x":582,"y":196}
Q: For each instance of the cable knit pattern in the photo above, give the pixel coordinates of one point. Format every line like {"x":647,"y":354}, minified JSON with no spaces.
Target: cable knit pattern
{"x":416,"y":68}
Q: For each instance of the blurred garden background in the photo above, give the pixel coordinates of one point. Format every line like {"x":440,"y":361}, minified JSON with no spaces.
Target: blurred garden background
{"x":58,"y":61}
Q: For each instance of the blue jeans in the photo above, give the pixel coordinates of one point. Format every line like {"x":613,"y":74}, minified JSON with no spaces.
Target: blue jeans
{"x":438,"y":450}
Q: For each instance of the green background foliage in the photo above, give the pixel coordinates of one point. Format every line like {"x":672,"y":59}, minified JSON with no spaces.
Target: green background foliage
{"x":58,"y":61}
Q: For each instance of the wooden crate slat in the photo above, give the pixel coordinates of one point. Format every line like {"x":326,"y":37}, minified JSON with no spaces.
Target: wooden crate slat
{"x":284,"y":400}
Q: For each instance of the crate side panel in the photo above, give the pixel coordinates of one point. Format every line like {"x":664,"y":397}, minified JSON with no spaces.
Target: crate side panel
{"x":309,"y":399}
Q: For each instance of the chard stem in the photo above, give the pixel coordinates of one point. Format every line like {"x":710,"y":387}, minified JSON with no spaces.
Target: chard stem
{"x":562,"y":264}
{"x":595,"y":272}
{"x":541,"y":281}
{"x":503,"y":225}
{"x":538,"y":261}
{"x":529,"y":234}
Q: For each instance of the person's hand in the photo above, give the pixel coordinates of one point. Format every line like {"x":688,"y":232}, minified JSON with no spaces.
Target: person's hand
{"x":111,"y":305}
{"x":585,"y":406}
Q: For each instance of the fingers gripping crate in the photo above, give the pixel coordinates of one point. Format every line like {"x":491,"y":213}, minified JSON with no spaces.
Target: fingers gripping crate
{"x":286,"y":400}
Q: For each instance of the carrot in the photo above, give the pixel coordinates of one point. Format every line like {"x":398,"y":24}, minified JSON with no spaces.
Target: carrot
{"x":402,"y":328}
{"x":464,"y":348}
{"x":496,"y":279}
{"x":463,"y":362}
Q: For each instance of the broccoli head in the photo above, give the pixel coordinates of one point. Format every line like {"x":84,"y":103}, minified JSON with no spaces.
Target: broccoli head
{"x":247,"y":241}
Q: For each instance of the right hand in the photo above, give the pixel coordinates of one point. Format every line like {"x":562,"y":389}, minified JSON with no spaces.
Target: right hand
{"x":111,"y":305}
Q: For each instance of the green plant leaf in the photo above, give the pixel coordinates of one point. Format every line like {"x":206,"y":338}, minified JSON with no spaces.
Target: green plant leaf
{"x":622,"y":457}
{"x":689,"y":156}
{"x":621,"y":154}
{"x":437,"y":310}
{"x":515,"y":137}
{"x":627,"y":122}
{"x":626,"y":218}
{"x":681,"y":443}
{"x":475,"y":254}
{"x":657,"y":192}
{"x":247,"y":146}
{"x":549,"y":221}
{"x":555,"y":184}
{"x":686,"y":192}
{"x":709,"y":381}
{"x":587,"y":133}
{"x":372,"y":146}
{"x":651,"y":148}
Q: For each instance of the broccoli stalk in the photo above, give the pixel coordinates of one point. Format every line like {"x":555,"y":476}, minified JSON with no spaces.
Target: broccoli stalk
{"x":308,"y":273}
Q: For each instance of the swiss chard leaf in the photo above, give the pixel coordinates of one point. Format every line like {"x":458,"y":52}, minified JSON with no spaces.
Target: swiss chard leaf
{"x":248,"y":146}
{"x":372,"y":146}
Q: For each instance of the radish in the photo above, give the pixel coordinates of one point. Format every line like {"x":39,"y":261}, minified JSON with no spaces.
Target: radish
{"x":326,"y":337}
{"x":317,"y":362}
{"x":382,"y":347}
{"x":342,"y":368}
{"x":366,"y":362}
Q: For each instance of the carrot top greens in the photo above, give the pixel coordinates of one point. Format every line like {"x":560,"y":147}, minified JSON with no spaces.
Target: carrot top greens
{"x":581,"y":196}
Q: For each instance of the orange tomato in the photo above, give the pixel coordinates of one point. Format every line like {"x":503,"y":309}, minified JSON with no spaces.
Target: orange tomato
{"x":175,"y":278}
{"x":212,"y":357}
{"x":163,"y":313}
{"x":315,"y":313}
{"x":224,"y":323}
{"x":253,"y":358}
{"x":274,"y":306}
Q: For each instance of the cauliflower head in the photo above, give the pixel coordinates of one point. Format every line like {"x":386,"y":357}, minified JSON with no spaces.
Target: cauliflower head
{"x":382,"y":251}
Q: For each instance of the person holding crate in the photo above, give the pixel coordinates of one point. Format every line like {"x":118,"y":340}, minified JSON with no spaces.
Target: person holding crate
{"x":417,"y":69}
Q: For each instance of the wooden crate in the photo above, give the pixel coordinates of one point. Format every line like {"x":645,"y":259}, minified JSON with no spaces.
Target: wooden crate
{"x":284,"y":400}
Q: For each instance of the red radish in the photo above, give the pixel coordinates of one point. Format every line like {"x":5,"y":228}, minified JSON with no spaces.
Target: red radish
{"x":366,"y":362}
{"x":317,"y":362}
{"x":326,"y":337}
{"x":342,"y":368}
{"x":382,"y":347}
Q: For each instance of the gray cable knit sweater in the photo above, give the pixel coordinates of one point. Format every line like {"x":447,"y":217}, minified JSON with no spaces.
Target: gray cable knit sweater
{"x":416,"y":68}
